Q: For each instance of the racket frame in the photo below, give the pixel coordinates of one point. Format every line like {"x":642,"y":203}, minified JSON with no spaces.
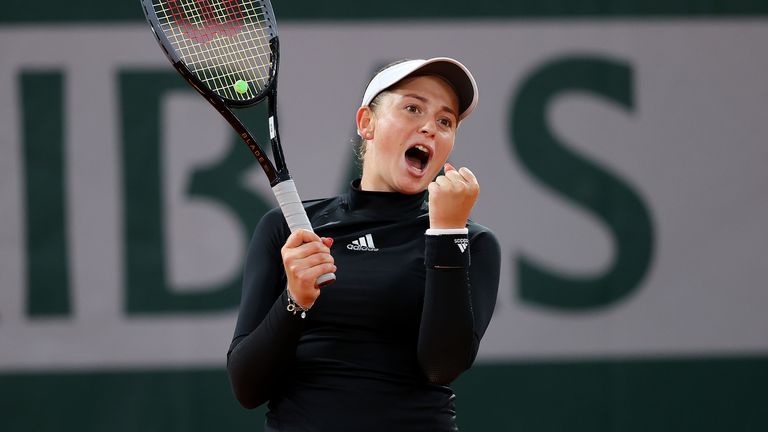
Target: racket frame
{"x":277,"y":173}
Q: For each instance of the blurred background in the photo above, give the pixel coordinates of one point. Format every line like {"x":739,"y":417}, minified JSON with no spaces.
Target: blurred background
{"x":620,"y":146}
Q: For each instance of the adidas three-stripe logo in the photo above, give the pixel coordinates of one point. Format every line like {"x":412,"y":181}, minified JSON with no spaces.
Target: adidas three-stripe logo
{"x":364,"y":243}
{"x":462,"y":244}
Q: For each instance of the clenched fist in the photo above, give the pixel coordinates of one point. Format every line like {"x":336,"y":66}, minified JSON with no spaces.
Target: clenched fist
{"x":451,"y":198}
{"x":306,"y":257}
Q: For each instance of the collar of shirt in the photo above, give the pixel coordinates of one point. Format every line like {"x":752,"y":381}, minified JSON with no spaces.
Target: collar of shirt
{"x":392,"y":204}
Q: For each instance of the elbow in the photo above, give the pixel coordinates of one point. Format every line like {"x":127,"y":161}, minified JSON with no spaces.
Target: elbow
{"x":443,"y":371}
{"x":249,"y":402}
{"x":249,"y":391}
{"x":442,"y":364}
{"x":444,"y":377}
{"x":248,"y":397}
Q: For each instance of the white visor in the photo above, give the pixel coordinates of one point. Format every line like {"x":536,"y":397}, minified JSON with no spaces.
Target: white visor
{"x":451,"y":70}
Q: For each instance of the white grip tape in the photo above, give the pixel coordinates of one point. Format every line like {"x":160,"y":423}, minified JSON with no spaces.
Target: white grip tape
{"x":290,"y":203}
{"x":296,"y":216}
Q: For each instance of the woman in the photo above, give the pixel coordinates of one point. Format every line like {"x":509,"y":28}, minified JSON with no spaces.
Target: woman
{"x":376,"y":350}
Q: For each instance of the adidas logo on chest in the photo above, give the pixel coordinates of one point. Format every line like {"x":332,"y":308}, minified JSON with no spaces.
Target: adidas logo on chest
{"x":364,"y":244}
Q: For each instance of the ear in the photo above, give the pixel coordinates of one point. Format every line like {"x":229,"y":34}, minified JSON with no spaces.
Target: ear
{"x":366,"y":122}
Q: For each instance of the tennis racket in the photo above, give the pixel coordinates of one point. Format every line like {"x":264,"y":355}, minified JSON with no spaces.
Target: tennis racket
{"x":228,"y":50}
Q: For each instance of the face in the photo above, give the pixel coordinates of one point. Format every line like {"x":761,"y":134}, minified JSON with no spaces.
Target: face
{"x":413,"y":130}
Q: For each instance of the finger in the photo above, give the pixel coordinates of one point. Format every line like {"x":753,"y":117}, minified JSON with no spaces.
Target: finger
{"x":305,"y":250}
{"x":327,"y":241}
{"x":468,"y":175}
{"x":433,"y":188}
{"x":448,"y":167}
{"x":443,"y":182}
{"x":315,"y":272}
{"x":299,"y":237}
{"x":456,"y":177}
{"x":309,"y":274}
{"x":315,"y":259}
{"x":298,"y":268}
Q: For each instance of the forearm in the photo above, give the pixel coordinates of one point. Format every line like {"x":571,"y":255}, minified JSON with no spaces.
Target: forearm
{"x":446,"y":344}
{"x":458,"y":302}
{"x":254,"y":362}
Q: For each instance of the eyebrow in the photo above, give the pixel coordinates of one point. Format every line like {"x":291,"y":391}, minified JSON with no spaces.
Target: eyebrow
{"x":423,"y":99}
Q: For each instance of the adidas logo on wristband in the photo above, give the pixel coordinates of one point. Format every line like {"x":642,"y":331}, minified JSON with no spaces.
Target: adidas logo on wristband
{"x":462,"y":243}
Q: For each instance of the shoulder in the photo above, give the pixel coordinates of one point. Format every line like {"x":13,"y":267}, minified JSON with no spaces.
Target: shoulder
{"x":323,"y":205}
{"x":482,"y":236}
{"x":475,"y":230}
{"x":272,"y":230}
{"x":273,"y":217}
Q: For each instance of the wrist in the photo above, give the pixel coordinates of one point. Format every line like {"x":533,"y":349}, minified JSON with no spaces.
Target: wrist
{"x":446,"y":251}
{"x":447,"y":224}
{"x":447,"y":231}
{"x":294,"y":307}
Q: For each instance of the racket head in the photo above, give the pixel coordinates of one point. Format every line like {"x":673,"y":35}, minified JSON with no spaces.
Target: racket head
{"x":221,"y":44}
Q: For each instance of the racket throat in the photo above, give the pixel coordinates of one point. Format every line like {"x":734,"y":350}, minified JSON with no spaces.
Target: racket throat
{"x":282,"y":176}
{"x":274,"y":139}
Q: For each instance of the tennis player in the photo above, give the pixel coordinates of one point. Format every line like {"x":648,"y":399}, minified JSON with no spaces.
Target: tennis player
{"x":416,"y":280}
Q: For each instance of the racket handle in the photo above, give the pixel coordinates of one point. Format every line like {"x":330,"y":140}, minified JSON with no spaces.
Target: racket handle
{"x":296,"y":216}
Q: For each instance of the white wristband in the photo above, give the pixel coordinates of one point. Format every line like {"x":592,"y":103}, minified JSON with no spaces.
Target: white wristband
{"x":446,"y":231}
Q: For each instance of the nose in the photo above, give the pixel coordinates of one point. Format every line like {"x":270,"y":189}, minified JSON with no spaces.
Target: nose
{"x":428,"y":128}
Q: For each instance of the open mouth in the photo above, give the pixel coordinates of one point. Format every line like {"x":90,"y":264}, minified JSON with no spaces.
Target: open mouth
{"x":417,"y":156}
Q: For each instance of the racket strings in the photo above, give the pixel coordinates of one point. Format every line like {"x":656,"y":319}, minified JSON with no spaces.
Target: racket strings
{"x":240,"y":58}
{"x":209,"y":17}
{"x":221,"y":42}
{"x":228,"y":55}
{"x":220,"y":49}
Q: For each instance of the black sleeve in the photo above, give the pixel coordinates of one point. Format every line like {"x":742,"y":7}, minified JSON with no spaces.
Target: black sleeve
{"x":459,"y":299}
{"x":266,"y":333}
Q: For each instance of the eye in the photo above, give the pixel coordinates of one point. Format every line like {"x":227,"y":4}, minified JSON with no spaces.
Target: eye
{"x":446,"y":122}
{"x":412,"y":108}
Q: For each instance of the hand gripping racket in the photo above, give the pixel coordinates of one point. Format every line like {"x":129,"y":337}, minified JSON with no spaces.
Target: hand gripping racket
{"x":228,"y":50}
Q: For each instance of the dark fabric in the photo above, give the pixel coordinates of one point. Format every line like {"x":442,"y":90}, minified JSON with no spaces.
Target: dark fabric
{"x":446,"y":251}
{"x":380,"y":346}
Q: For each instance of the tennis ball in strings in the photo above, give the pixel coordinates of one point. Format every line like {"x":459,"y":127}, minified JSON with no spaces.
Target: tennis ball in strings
{"x":241,"y":86}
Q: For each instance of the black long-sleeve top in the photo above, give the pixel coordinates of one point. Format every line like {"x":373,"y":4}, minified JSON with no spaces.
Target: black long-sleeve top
{"x":379,"y":347}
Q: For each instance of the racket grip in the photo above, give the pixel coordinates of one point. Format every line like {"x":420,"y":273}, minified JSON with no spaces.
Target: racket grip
{"x":296,"y":217}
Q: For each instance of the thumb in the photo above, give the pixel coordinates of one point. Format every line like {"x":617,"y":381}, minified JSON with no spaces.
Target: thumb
{"x":448,"y":167}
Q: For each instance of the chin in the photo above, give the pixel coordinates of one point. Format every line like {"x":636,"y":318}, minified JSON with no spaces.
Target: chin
{"x":412,"y":187}
{"x":417,"y":187}
{"x":412,"y":191}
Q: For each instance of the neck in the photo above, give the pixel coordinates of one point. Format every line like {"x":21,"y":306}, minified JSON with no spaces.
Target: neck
{"x":367,"y":183}
{"x":370,"y":181}
{"x":385,"y":203}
